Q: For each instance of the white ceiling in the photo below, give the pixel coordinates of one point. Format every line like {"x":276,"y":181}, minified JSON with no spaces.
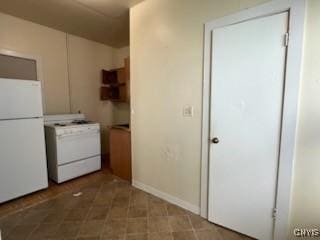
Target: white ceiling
{"x":105,"y":21}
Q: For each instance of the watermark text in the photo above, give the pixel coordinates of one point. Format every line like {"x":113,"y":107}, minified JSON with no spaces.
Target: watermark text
{"x":305,"y":232}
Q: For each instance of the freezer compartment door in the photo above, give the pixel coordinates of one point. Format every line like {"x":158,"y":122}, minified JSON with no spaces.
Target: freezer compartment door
{"x":23,"y":167}
{"x":20,"y":99}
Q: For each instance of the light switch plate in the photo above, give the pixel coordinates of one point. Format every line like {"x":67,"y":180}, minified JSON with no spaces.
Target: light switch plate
{"x":188,"y":111}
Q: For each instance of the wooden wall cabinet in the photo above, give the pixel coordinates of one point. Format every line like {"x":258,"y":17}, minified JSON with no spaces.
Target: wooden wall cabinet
{"x":120,"y":152}
{"x":116,"y":84}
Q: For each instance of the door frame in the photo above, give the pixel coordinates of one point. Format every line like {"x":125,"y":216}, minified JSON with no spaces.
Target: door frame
{"x":296,"y":9}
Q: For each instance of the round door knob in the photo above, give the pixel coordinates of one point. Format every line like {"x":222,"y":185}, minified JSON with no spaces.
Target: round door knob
{"x":215,"y":140}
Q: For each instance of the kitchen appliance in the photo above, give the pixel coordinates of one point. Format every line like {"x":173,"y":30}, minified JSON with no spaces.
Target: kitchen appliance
{"x":73,"y":146}
{"x":23,"y":167}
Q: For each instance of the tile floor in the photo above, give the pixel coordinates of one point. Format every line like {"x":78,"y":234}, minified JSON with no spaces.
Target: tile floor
{"x":53,"y":191}
{"x":109,"y":209}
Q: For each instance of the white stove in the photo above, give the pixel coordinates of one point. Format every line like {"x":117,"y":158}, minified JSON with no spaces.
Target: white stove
{"x":73,"y":146}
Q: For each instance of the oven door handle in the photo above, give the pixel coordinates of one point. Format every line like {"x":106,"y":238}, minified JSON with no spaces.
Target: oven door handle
{"x":72,"y":135}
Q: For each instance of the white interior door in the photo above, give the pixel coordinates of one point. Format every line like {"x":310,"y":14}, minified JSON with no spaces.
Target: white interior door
{"x":248,"y":67}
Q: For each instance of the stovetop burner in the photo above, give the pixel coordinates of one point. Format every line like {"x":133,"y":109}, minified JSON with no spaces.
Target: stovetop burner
{"x":75,"y":122}
{"x":60,"y":124}
{"x":80,"y":122}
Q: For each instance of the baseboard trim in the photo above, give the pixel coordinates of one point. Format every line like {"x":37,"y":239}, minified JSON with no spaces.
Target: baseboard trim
{"x":167,"y":197}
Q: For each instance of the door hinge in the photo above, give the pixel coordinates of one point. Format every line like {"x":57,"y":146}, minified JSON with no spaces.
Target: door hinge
{"x":274,"y":212}
{"x":286,"y":39}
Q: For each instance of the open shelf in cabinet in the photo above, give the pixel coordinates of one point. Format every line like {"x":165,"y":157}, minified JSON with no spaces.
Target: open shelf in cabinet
{"x":115,"y":84}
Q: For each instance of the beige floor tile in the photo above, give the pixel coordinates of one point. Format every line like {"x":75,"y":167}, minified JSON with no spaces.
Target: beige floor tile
{"x":21,"y":232}
{"x":137,"y":236}
{"x":121,"y":202}
{"x":88,"y":238}
{"x":155,"y":200}
{"x":135,"y":212}
{"x":160,"y":236}
{"x":106,"y":191}
{"x":7,"y":224}
{"x":179,"y":223}
{"x":107,"y":210}
{"x":54,"y":191}
{"x":185,"y":235}
{"x":157,"y":209}
{"x":91,"y":228}
{"x":44,"y":231}
{"x":76,"y":215}
{"x":103,"y":201}
{"x":68,"y":230}
{"x":114,"y":237}
{"x":118,"y":212}
{"x":139,"y":199}
{"x":48,"y":205}
{"x":122,"y":193}
{"x":97,"y":213}
{"x":198,"y":222}
{"x":137,"y":225}
{"x":208,"y":235}
{"x":114,"y":228}
{"x":60,"y":238}
{"x":174,"y":210}
{"x":55,"y":216}
{"x":34,"y":216}
{"x":82,"y":204}
{"x":158,"y":224}
{"x":230,"y":235}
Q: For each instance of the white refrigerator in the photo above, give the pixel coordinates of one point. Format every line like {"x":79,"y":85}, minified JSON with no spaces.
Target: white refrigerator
{"x":23,"y":167}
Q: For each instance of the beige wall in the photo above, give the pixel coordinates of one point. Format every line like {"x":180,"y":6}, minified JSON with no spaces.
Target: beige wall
{"x":86,"y":60}
{"x":50,"y":45}
{"x":166,"y":72}
{"x":121,"y":113}
{"x":306,"y":190}
{"x":119,"y":56}
{"x":67,"y":61}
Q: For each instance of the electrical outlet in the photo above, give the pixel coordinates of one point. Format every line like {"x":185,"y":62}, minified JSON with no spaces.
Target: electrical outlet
{"x":187,"y":111}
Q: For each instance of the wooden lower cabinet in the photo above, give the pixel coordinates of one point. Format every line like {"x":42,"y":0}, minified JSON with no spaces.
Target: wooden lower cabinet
{"x":120,"y":152}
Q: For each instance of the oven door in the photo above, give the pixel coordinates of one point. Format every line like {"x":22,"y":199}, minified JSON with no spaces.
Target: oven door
{"x":71,"y":148}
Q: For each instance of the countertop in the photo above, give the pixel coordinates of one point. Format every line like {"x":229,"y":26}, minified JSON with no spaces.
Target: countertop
{"x":124,"y":127}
